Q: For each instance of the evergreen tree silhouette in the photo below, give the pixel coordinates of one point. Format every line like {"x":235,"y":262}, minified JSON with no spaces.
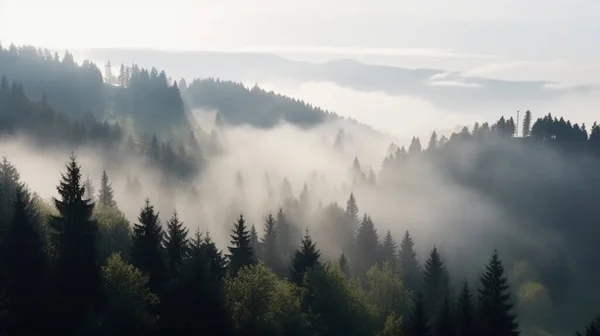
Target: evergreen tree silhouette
{"x":388,"y":251}
{"x":411,"y":274}
{"x":526,"y":125}
{"x":495,"y":316}
{"x":344,"y":264}
{"x":434,"y":284}
{"x":593,"y":329}
{"x":284,"y":234}
{"x":366,"y":247}
{"x":146,"y":247}
{"x":240,"y":251}
{"x":255,"y":243}
{"x":9,"y":185}
{"x":176,"y":245}
{"x":444,"y":326}
{"x":417,"y":323}
{"x":270,"y":249}
{"x":77,"y":270}
{"x":23,"y":270}
{"x":106,"y":195}
{"x":89,"y":190}
{"x":305,"y":258}
{"x":465,"y":313}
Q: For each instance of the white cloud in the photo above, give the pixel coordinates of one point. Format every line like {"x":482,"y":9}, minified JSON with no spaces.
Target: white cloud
{"x":454,"y":83}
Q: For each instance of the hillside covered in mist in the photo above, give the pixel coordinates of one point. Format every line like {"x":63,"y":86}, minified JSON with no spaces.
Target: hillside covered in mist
{"x":212,"y":208}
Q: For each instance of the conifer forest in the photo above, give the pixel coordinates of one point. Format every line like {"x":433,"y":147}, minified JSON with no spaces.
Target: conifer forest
{"x":132,"y":203}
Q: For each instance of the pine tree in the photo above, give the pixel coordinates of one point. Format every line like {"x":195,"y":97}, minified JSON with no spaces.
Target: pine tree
{"x":444,"y":325}
{"x":305,"y":258}
{"x":284,"y":234}
{"x":527,"y":124}
{"x":270,"y":249}
{"x":89,"y":190}
{"x":9,"y":184}
{"x":593,"y":329}
{"x":146,"y":247}
{"x":465,"y":313}
{"x":255,"y":243}
{"x":23,"y":268}
{"x":366,"y":247}
{"x":434,"y":284}
{"x":176,"y":245}
{"x":106,"y":195}
{"x":495,"y":315}
{"x":240,"y":251}
{"x":388,"y":251}
{"x":77,"y":270}
{"x":217,"y":263}
{"x":411,"y":274}
{"x":344,"y":265}
{"x":352,"y":212}
{"x":417,"y":323}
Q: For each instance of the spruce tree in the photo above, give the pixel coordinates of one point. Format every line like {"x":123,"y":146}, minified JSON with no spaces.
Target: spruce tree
{"x":352,"y":211}
{"x":411,"y":274}
{"x":23,"y":266}
{"x":254,"y":243}
{"x":526,"y":125}
{"x":444,"y":325}
{"x":366,"y":247}
{"x":434,"y":284}
{"x":593,"y":329}
{"x":74,"y":233}
{"x":89,"y":190}
{"x":106,"y":196}
{"x":388,"y":251}
{"x":270,"y":249}
{"x":495,"y":316}
{"x":305,"y":258}
{"x":146,"y":247}
{"x":344,"y":264}
{"x":9,"y":184}
{"x":176,"y":245}
{"x":240,"y":251}
{"x":284,"y":234}
{"x":217,"y":263}
{"x":417,"y":323}
{"x":465,"y":313}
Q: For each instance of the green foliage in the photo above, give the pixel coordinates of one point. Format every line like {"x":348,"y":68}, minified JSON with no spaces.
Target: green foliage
{"x":388,"y":251}
{"x":129,"y":300}
{"x":106,"y":195}
{"x":385,"y":291}
{"x":435,"y":284}
{"x":114,"y":232}
{"x":262,"y":304}
{"x":393,"y":326}
{"x":270,"y":247}
{"x":176,"y":245}
{"x":417,"y":323}
{"x":366,"y":247}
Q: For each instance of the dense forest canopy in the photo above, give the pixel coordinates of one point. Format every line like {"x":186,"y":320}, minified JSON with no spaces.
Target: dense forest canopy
{"x":277,"y":217}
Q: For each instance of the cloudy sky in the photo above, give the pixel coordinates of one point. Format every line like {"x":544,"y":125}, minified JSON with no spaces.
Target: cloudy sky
{"x":501,"y":38}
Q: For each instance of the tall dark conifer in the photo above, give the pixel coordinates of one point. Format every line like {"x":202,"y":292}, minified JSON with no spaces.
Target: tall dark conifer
{"x":146,"y":247}
{"x":388,"y":251}
{"x":74,"y":234}
{"x":417,"y":323}
{"x":366,"y":247}
{"x":411,"y":274}
{"x":270,"y":249}
{"x":593,"y":329}
{"x":9,"y":184}
{"x":255,"y":243}
{"x":284,"y":234}
{"x":435,"y":283}
{"x":240,"y":251}
{"x":444,"y":325}
{"x":176,"y":245}
{"x":23,"y":267}
{"x":465,"y":313}
{"x":106,"y":195}
{"x":305,"y":258}
{"x":495,"y":310}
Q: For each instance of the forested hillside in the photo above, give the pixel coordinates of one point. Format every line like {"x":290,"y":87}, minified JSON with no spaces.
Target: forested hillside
{"x":480,"y":232}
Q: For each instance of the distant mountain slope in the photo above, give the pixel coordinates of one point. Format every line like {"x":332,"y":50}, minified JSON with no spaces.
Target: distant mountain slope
{"x":442,"y":87}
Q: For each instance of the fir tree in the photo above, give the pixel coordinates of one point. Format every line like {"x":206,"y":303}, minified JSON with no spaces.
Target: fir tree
{"x":344,"y":265}
{"x":270,"y":249}
{"x":77,"y":271}
{"x":444,"y":325}
{"x":388,"y":251}
{"x":352,"y":211}
{"x":434,"y":284}
{"x":526,"y":125}
{"x":240,"y":251}
{"x":366,"y":247}
{"x":495,"y":316}
{"x":106,"y":195}
{"x":176,"y":245}
{"x":146,"y":247}
{"x":284,"y":234}
{"x":411,"y":274}
{"x":23,"y":263}
{"x":305,"y":258}
{"x":89,"y":190}
{"x":217,"y":263}
{"x":465,"y":313}
{"x":9,"y":184}
{"x":417,"y":323}
{"x":255,"y":243}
